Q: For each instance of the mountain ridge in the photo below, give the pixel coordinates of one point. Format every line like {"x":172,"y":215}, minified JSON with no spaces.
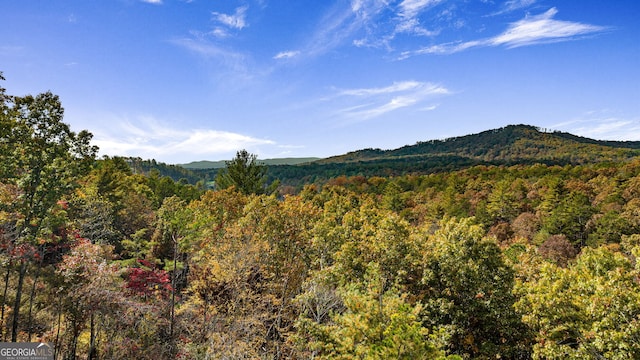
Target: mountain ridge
{"x":507,"y":143}
{"x":206,"y":164}
{"x":510,"y":145}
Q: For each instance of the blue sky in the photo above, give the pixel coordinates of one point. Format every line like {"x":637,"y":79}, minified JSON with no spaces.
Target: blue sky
{"x":187,"y":80}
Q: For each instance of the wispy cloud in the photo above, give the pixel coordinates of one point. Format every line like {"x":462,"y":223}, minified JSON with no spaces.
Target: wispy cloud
{"x":225,"y":23}
{"x":603,"y":125}
{"x":513,"y":5}
{"x":234,"y":21}
{"x":393,"y":88}
{"x":156,"y":2}
{"x":542,"y":28}
{"x":529,"y":31}
{"x":287,"y":54}
{"x":149,"y":138}
{"x":411,"y":8}
{"x":336,"y":28}
{"x":403,"y":18}
{"x":367,"y":103}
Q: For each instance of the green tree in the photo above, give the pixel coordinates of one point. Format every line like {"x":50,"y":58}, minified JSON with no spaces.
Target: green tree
{"x":245,"y":174}
{"x":391,"y":197}
{"x":43,"y":159}
{"x":502,"y":201}
{"x":129,"y":198}
{"x":468,"y":290}
{"x":168,"y":243}
{"x":570,"y":218}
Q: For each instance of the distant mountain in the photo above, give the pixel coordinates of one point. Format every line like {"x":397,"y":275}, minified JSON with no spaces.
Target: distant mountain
{"x":204,"y":164}
{"x":513,"y":143}
{"x":269,"y":162}
{"x":510,"y":145}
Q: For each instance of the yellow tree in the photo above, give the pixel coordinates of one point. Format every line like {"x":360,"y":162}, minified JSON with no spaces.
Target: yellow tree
{"x":590,"y":310}
{"x":376,"y":322}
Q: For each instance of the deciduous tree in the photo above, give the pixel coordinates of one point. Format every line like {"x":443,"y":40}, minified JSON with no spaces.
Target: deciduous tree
{"x":43,"y":158}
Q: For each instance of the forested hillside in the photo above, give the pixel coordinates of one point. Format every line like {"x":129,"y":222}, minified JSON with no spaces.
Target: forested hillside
{"x":481,"y":261}
{"x":511,"y":145}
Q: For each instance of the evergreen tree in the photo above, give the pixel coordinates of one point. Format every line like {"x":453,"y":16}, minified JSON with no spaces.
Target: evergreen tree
{"x":245,"y":174}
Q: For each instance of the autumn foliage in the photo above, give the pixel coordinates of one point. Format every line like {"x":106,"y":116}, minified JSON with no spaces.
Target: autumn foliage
{"x":533,"y":261}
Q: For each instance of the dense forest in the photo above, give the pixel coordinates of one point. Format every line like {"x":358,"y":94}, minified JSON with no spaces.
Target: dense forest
{"x":534,"y":260}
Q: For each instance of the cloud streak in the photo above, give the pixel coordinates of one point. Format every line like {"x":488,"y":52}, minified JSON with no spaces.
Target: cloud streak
{"x":513,"y":5}
{"x":368,"y":103}
{"x":287,"y":54}
{"x":531,"y":30}
{"x":603,"y":125}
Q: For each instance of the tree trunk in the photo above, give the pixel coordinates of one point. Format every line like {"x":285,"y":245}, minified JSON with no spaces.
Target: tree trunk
{"x":33,"y":293}
{"x":74,"y":342}
{"x":173,"y":287}
{"x":93,"y":354}
{"x":4,"y":299}
{"x":16,"y":306}
{"x":56,"y":351}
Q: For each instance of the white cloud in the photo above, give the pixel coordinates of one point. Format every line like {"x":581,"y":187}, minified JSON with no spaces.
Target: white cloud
{"x":403,"y":18}
{"x":602,"y":125}
{"x":381,"y":100}
{"x":219,"y":32}
{"x":150,"y":139}
{"x":542,"y":28}
{"x":430,"y":107}
{"x":156,"y":2}
{"x":234,"y":21}
{"x":513,"y":5}
{"x":286,"y":54}
{"x":529,"y":31}
{"x":368,"y":9}
{"x":411,"y":8}
{"x":393,"y":104}
{"x":393,"y":88}
{"x":412,"y":26}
